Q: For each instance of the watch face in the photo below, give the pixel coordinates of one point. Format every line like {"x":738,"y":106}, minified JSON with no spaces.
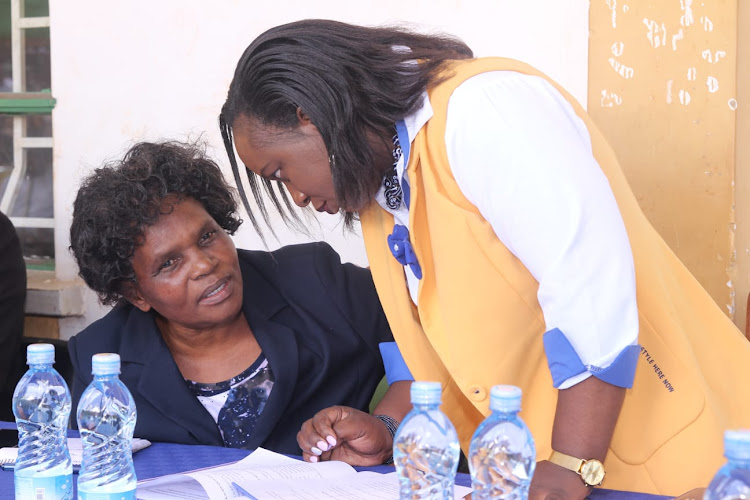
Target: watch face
{"x":592,"y":472}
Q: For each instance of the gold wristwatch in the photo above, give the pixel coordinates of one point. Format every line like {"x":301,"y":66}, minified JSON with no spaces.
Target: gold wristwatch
{"x":591,"y":471}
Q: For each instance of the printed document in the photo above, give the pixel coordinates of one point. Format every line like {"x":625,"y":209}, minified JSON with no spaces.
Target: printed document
{"x":265,"y":475}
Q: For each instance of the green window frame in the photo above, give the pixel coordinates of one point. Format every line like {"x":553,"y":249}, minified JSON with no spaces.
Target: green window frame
{"x":20,"y":104}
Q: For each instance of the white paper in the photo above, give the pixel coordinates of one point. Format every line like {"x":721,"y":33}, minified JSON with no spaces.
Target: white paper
{"x":216,"y":482}
{"x":361,"y":486}
{"x":75,"y":447}
{"x":265,"y":458}
{"x":219,"y":484}
{"x":271,"y":476}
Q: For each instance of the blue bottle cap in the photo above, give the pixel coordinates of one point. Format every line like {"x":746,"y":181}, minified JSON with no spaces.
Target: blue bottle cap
{"x":40,"y":354}
{"x":505,"y":398}
{"x":737,"y":444}
{"x":425,"y":393}
{"x":105,"y":364}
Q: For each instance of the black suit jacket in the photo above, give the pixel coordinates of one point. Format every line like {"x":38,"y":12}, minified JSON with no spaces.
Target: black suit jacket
{"x":318,"y":322}
{"x":12,"y":301}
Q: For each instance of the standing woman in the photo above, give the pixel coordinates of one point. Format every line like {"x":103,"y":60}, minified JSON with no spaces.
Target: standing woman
{"x":505,"y":245}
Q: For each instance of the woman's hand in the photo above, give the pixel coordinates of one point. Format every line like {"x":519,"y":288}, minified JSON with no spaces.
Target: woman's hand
{"x":584,"y":423}
{"x":346,"y":434}
{"x":552,"y":482}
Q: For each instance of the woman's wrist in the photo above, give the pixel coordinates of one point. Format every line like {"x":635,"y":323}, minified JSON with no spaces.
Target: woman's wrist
{"x":391,"y":424}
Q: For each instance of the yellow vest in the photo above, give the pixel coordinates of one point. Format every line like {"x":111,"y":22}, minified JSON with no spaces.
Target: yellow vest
{"x":479,"y":322}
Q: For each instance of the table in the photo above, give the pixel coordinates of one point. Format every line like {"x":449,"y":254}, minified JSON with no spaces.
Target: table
{"x":168,"y":458}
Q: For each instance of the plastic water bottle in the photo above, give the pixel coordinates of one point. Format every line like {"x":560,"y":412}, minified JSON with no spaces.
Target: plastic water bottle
{"x":733,"y":479}
{"x":425,"y":447}
{"x":502,"y":456}
{"x":41,"y":405}
{"x":106,"y":419}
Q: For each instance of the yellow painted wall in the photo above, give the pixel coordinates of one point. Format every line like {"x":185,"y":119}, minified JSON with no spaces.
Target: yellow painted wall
{"x":662,"y":88}
{"x":742,"y":179}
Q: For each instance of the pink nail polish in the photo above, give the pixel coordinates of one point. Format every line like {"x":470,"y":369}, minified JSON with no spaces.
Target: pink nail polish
{"x":331,"y":440}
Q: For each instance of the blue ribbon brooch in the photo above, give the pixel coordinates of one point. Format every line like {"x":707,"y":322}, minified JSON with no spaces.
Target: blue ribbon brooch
{"x":398,"y":242}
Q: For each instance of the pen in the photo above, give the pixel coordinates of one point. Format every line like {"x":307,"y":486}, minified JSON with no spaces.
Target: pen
{"x":241,"y":491}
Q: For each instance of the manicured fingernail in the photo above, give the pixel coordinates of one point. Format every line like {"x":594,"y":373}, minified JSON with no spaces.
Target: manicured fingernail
{"x":313,"y":459}
{"x":315,"y":451}
{"x":323,"y":445}
{"x":331,"y":440}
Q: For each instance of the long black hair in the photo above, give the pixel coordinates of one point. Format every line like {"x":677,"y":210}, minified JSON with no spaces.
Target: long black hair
{"x":354,"y":82}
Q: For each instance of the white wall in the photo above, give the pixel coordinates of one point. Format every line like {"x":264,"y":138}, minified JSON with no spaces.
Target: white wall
{"x":154,"y":69}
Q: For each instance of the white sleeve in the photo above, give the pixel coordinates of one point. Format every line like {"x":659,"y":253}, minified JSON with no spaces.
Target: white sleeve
{"x":520,"y":154}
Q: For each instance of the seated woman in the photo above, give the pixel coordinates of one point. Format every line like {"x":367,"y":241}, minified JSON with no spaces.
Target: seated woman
{"x":219,"y":346}
{"x":12,"y":301}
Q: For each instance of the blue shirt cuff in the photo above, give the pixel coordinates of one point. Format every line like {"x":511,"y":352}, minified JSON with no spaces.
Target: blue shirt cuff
{"x":565,"y":363}
{"x":395,"y":366}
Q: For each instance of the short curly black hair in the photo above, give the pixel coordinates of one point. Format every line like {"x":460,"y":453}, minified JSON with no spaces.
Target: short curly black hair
{"x":119,"y":200}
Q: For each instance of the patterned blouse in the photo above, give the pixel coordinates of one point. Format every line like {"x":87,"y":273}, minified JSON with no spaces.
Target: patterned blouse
{"x":236,"y":404}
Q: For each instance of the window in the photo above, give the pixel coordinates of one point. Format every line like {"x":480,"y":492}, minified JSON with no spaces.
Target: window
{"x":26,"y":127}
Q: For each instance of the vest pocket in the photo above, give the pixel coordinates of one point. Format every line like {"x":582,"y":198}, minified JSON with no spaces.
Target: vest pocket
{"x":665,"y":399}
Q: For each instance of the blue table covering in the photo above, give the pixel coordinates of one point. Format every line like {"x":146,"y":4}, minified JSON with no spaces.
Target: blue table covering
{"x":167,"y":458}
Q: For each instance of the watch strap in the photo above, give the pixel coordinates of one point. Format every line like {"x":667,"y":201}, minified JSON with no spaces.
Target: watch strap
{"x":566,"y":461}
{"x":590,"y":471}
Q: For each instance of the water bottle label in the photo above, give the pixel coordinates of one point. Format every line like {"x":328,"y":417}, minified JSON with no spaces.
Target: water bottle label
{"x":124,"y":495}
{"x":44,"y":488}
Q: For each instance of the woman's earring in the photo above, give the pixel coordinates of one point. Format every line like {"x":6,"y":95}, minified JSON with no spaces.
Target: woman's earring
{"x":332,"y":159}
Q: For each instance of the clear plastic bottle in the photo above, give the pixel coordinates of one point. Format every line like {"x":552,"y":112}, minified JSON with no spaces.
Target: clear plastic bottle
{"x":425,"y":447}
{"x":732,"y":481}
{"x":502,"y":455}
{"x":41,"y":405}
{"x":106,"y":420}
